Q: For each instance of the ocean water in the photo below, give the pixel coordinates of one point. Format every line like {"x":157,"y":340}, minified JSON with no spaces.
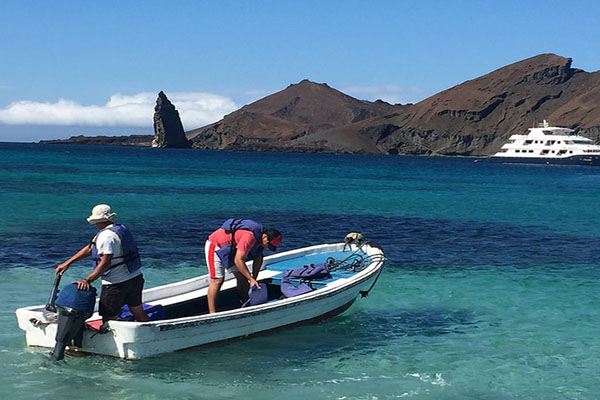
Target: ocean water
{"x":491,"y":289}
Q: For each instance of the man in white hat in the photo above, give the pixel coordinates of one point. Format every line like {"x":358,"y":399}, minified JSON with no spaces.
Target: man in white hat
{"x":116,"y":261}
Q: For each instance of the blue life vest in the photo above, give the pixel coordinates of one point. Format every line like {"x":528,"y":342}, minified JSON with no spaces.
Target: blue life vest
{"x":227,"y":253}
{"x":305,"y":274}
{"x":130,"y":255}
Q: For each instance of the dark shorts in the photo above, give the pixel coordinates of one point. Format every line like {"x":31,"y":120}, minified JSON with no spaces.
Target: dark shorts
{"x":115,"y":296}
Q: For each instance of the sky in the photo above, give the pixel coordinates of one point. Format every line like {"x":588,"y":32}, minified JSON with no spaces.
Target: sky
{"x":95,"y":68}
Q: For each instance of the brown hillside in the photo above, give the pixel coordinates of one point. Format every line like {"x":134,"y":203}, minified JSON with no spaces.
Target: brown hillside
{"x":473,"y":118}
{"x":274,"y":122}
{"x":477,"y":116}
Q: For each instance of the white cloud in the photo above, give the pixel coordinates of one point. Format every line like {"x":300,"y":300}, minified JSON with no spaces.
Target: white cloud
{"x":196,"y":109}
{"x":391,"y":93}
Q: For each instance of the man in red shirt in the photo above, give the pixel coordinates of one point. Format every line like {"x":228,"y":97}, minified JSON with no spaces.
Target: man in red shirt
{"x":229,"y":247}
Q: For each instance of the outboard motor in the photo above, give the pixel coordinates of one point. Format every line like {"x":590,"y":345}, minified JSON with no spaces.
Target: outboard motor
{"x":74,"y":307}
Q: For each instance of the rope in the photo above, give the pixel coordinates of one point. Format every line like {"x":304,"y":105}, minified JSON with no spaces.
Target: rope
{"x":360,"y":243}
{"x":355,"y":262}
{"x":365,"y":293}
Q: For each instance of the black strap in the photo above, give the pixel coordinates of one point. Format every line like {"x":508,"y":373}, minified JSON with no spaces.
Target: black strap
{"x":128,"y":257}
{"x":233,"y":227}
{"x":365,"y":293}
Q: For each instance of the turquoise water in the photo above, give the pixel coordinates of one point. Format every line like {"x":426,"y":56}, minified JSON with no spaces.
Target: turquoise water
{"x":491,"y":291}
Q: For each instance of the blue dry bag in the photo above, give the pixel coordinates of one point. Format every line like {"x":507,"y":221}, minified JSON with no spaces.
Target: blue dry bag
{"x":257,"y":295}
{"x":79,"y":300}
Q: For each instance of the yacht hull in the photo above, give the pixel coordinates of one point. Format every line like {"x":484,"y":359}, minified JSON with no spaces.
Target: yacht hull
{"x":574,"y":160}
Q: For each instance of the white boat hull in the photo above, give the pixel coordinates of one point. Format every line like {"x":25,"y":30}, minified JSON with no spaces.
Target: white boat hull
{"x":573,"y":160}
{"x":548,"y":145}
{"x":135,"y":340}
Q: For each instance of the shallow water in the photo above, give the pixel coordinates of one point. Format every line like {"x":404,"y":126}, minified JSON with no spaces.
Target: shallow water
{"x":491,"y":290}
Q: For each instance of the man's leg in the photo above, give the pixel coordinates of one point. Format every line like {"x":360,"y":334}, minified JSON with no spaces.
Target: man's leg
{"x":133,"y":298}
{"x":213,"y":291}
{"x":139,"y":314}
{"x":216,"y":272}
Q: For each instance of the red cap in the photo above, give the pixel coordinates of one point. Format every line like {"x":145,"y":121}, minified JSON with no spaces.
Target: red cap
{"x":273,"y":243}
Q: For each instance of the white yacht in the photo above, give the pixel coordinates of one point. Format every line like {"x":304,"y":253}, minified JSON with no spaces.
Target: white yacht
{"x":549,"y":145}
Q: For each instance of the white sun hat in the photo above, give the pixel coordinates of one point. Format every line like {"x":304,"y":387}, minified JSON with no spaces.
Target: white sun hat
{"x":102,"y":213}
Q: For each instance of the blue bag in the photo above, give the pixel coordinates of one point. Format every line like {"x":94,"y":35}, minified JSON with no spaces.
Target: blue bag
{"x":257,"y":295}
{"x":78,"y":300}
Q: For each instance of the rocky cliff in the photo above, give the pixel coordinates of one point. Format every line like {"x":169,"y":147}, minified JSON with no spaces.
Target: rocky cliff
{"x":168,"y":130}
{"x":471,"y":119}
{"x":477,"y":116}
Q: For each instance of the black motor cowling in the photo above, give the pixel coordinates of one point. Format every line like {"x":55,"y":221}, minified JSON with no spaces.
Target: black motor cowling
{"x":74,"y":307}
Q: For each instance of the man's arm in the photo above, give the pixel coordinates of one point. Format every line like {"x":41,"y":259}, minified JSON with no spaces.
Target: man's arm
{"x":85,"y":252}
{"x":103,"y":265}
{"x":256,"y":264}
{"x":241,"y":266}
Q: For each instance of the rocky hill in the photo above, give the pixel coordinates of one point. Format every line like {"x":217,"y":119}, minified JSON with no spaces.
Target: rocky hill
{"x":279,"y":121}
{"x":477,"y":116}
{"x":470,"y":119}
{"x":473,"y":118}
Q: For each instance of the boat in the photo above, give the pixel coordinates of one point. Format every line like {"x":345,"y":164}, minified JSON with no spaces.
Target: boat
{"x":353,"y":267}
{"x":546,"y":144}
